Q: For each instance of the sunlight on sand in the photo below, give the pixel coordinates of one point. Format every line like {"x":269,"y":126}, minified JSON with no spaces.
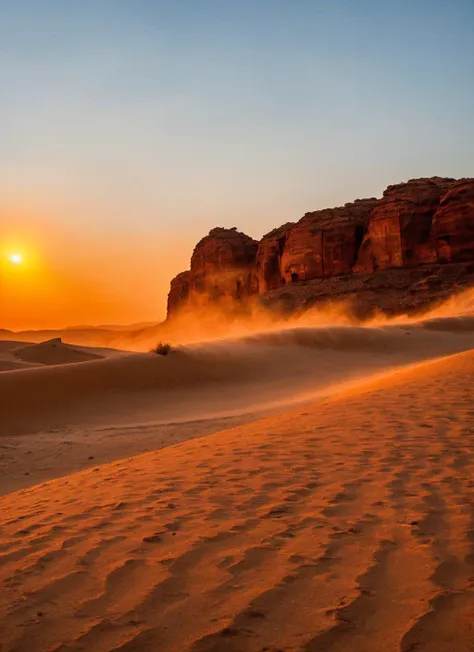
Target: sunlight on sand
{"x":308,"y":487}
{"x":320,"y":529}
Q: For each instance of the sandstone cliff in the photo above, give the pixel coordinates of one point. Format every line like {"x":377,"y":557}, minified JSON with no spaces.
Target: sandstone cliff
{"x":179,"y":292}
{"x":400,"y":230}
{"x":222,"y":265}
{"x":268,"y":272}
{"x":453,"y":223}
{"x":325,"y":243}
{"x":415,"y":224}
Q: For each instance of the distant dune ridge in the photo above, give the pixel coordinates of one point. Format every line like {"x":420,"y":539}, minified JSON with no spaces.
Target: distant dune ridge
{"x":53,"y":352}
{"x":343,"y":526}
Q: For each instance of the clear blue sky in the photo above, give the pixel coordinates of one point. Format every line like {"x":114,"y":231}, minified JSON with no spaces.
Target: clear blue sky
{"x":166,"y":118}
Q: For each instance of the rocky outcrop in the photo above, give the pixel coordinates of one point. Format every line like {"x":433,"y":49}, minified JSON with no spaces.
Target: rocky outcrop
{"x":418,"y":223}
{"x":222,"y":266}
{"x":400,"y":227}
{"x":325,"y":243}
{"x":268,"y":274}
{"x":453,"y":223}
{"x":399,"y":290}
{"x":223,"y":263}
{"x":179,"y":292}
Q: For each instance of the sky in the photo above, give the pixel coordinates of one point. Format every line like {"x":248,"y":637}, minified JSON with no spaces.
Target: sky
{"x":130,"y":128}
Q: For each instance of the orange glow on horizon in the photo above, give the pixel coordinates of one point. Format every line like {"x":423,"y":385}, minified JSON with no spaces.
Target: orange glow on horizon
{"x":51,"y":277}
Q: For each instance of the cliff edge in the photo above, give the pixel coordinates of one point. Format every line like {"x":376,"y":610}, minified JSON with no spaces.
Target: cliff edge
{"x":411,"y":246}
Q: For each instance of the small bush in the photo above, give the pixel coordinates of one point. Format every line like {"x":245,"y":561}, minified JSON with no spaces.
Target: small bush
{"x":162,"y":348}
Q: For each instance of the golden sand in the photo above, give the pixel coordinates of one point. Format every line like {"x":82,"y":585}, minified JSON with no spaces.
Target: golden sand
{"x":345,"y":526}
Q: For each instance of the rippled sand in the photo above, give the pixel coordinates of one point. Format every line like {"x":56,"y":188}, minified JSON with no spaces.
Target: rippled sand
{"x":56,"y":419}
{"x":344,"y":526}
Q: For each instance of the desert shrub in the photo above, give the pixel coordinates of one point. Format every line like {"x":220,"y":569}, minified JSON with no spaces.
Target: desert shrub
{"x":162,"y":348}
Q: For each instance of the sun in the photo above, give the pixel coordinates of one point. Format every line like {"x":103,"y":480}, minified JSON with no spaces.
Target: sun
{"x":15,"y":259}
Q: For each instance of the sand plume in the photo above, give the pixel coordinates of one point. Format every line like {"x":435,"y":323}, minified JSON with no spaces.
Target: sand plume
{"x":207,"y":323}
{"x":212,"y":378}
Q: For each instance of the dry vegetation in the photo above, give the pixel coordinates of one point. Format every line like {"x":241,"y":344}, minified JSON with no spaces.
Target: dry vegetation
{"x":162,"y":348}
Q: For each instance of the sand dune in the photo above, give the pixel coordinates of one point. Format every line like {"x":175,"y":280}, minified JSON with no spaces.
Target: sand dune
{"x":10,"y":364}
{"x":8,"y":360}
{"x":453,"y":324}
{"x":53,"y":352}
{"x":18,"y":355}
{"x":344,"y":526}
{"x":81,"y":336}
{"x":248,"y":373}
{"x":58,"y":419}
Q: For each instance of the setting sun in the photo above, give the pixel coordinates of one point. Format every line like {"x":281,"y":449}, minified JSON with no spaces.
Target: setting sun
{"x":15,"y":259}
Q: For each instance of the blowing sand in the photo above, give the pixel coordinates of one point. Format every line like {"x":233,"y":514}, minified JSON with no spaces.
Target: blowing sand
{"x":59,"y":415}
{"x":305,"y":489}
{"x":348,"y":525}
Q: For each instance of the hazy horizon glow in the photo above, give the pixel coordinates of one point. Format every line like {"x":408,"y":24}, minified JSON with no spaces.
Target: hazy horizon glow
{"x":129,"y":129}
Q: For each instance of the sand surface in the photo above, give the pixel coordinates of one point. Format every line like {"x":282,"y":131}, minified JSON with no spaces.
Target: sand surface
{"x":58,"y":416}
{"x":347,"y":526}
{"x":303,"y":488}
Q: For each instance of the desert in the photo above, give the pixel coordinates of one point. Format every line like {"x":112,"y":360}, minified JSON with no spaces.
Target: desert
{"x":191,"y":501}
{"x":236,"y":326}
{"x":310,"y":529}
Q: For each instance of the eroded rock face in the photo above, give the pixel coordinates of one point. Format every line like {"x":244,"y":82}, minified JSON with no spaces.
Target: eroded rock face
{"x":453,"y":223}
{"x":326,"y":242}
{"x":179,"y":293}
{"x":421,"y":222}
{"x":222,"y":266}
{"x":400,"y":227}
{"x":269,"y":255}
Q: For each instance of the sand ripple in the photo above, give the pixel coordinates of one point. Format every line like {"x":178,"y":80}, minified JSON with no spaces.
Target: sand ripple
{"x":346,"y":526}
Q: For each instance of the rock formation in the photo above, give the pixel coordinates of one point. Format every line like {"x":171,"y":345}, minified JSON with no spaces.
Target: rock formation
{"x":420,"y":222}
{"x":400,"y":227}
{"x":222,"y":265}
{"x":453,"y":223}
{"x":268,"y":275}
{"x":325,"y":243}
{"x":179,"y":292}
